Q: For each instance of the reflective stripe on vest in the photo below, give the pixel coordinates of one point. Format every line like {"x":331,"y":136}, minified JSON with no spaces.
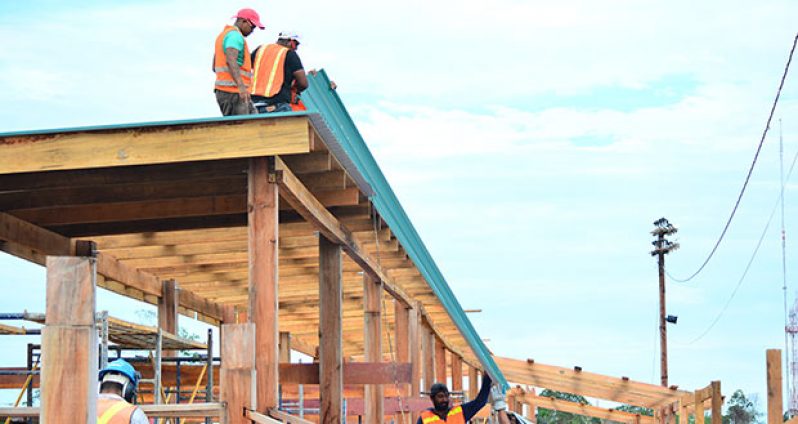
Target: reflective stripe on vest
{"x":225,"y":81}
{"x":455,"y":416}
{"x":112,"y":411}
{"x":269,"y":70}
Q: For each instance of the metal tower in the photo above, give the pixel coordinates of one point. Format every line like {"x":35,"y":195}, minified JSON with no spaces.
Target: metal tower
{"x":792,"y":380}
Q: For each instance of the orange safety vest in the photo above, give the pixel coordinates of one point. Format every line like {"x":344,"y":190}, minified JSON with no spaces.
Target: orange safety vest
{"x":114,"y":411}
{"x":455,"y":416}
{"x":225,"y":81}
{"x":296,"y":102}
{"x":269,"y":70}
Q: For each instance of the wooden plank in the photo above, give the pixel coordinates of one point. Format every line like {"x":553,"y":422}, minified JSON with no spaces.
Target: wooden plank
{"x":372,"y":326}
{"x":473,"y":384}
{"x":699,"y":407}
{"x":775,"y":398}
{"x":183,"y":410}
{"x":237,"y":376}
{"x":156,"y":144}
{"x":330,"y":333}
{"x":257,"y":417}
{"x":717,"y":403}
{"x":586,"y":410}
{"x":167,"y":310}
{"x":287,"y":418}
{"x":353,"y":373}
{"x":263,"y":304}
{"x":414,"y":337}
{"x":440,"y":362}
{"x":428,"y":357}
{"x":69,"y":328}
{"x":13,"y":229}
{"x":457,"y":373}
{"x":285,"y":347}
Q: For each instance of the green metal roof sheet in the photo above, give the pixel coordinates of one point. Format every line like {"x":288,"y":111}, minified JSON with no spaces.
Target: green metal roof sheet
{"x":320,"y":98}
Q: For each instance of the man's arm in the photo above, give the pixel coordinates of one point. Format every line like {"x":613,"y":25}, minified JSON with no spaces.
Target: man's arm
{"x":231,"y":55}
{"x":301,"y":80}
{"x":471,"y":408}
{"x":139,"y":417}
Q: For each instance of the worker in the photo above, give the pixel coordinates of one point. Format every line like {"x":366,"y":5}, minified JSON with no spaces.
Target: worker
{"x":119,"y":384}
{"x":499,"y":406}
{"x":442,"y":411}
{"x":233,"y":65}
{"x":278,"y":70}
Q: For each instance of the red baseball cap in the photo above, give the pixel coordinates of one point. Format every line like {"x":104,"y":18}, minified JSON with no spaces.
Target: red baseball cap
{"x":250,"y":14}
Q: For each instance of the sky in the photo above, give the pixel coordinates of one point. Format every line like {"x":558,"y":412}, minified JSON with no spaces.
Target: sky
{"x":532,"y":144}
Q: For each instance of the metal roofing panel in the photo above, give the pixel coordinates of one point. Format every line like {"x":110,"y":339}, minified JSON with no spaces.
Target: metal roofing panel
{"x":320,"y":98}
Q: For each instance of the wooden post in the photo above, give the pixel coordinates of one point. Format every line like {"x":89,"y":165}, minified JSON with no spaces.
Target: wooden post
{"x":699,"y":408}
{"x":717,"y":403}
{"x":532,"y":412}
{"x":401,"y":347}
{"x":167,"y":311}
{"x":428,"y":357}
{"x":331,"y":381}
{"x":238,"y":386}
{"x":414,"y":346}
{"x":457,"y":373}
{"x":683,"y":414}
{"x":262,"y":206}
{"x":285,"y":347}
{"x":69,"y":342}
{"x":775,"y":406}
{"x":440,"y":361}
{"x":473,"y":385}
{"x":372,"y":316}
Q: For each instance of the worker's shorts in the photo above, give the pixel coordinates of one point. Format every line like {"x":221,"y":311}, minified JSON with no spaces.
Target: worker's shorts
{"x":231,"y":104}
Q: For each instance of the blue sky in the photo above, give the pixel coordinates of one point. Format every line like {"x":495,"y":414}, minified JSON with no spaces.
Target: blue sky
{"x":531,"y":143}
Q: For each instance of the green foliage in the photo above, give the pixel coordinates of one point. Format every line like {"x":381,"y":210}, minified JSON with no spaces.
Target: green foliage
{"x":547,"y":416}
{"x":741,"y":410}
{"x":636,"y":410}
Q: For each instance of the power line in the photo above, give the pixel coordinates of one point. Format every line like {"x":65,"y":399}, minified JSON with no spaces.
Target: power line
{"x":750,"y":171}
{"x":751,"y":260}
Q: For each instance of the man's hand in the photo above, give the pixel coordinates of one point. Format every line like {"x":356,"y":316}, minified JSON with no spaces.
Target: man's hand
{"x":497,"y":399}
{"x":243,"y":93}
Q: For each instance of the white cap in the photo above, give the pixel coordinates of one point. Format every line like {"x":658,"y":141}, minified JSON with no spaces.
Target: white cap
{"x":288,"y":35}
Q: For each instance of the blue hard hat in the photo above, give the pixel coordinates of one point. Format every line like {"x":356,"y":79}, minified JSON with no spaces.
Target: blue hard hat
{"x":122,"y":367}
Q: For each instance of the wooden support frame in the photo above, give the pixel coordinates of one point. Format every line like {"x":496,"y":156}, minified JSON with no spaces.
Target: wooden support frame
{"x":69,"y":342}
{"x":237,"y":374}
{"x":263,"y":303}
{"x":457,"y":373}
{"x":427,"y":357}
{"x":331,"y":381}
{"x":355,"y":373}
{"x":167,"y":310}
{"x":372,"y":327}
{"x":285,"y":347}
{"x":473,"y":384}
{"x":440,"y":362}
{"x":585,"y":410}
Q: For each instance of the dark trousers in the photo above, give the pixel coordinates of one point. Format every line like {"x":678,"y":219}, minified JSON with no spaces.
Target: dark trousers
{"x":231,"y":104}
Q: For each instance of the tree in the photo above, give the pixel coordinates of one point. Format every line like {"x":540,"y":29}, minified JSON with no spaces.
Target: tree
{"x":640,"y":410}
{"x":741,"y":410}
{"x":548,"y":416}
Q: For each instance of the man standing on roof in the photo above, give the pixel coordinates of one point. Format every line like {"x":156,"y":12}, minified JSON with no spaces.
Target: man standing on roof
{"x":119,"y":383}
{"x":442,"y":412}
{"x":233,"y":66}
{"x":278,"y":76}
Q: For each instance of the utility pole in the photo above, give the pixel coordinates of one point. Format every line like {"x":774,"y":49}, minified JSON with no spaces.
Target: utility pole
{"x":662,"y":247}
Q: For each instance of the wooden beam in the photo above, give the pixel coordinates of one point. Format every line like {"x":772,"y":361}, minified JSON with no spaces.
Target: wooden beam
{"x":237,"y":376}
{"x":699,"y":408}
{"x":38,"y":239}
{"x":457,"y":373}
{"x":155,"y":144}
{"x":285,"y":347}
{"x":263,"y":303}
{"x":428,"y":357}
{"x":414,"y":334}
{"x":372,"y":326}
{"x":717,"y":403}
{"x":69,"y":342}
{"x":330,"y":333}
{"x":586,"y":410}
{"x":303,"y":201}
{"x":473,"y":384}
{"x":168,"y":306}
{"x":354,"y":373}
{"x":440,"y":362}
{"x":775,"y":399}
{"x":183,"y":410}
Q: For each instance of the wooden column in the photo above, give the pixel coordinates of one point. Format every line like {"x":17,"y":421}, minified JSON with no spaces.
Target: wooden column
{"x":414,"y":346}
{"x":775,"y":406}
{"x":262,"y":207}
{"x":372,"y":316}
{"x":699,"y":408}
{"x":428,"y":357}
{"x":237,"y":381}
{"x":473,"y":384}
{"x":69,"y":342}
{"x":331,"y":381}
{"x":285,"y":347}
{"x":717,"y":403}
{"x":167,"y":311}
{"x":683,"y":414}
{"x":440,"y":361}
{"x":457,"y":373}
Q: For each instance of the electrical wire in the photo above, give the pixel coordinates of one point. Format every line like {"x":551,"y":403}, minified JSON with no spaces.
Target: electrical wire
{"x":750,"y":171}
{"x":751,"y":260}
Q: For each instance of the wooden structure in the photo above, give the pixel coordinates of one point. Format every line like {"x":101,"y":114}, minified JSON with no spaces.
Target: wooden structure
{"x":664,"y":402}
{"x":261,"y":220}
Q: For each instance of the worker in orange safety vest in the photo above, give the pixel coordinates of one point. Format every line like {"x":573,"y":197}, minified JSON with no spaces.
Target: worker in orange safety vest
{"x":278,"y":75}
{"x":233,"y":65}
{"x":443,"y":412}
{"x":119,"y":383}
